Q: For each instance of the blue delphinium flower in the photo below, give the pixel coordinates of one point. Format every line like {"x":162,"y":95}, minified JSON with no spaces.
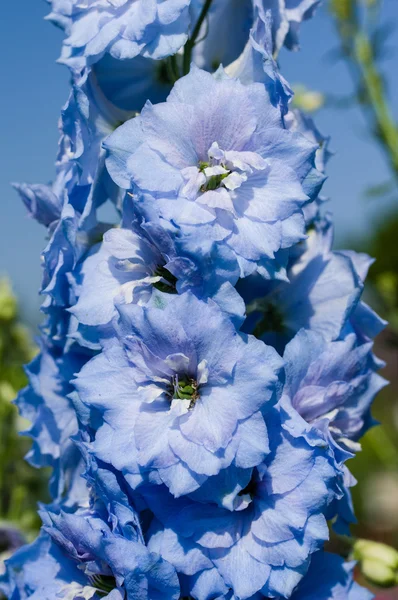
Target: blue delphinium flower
{"x":226,"y":19}
{"x":45,"y":403}
{"x":82,"y":185}
{"x":333,"y":384}
{"x":364,"y":321}
{"x":128,"y":84}
{"x":124,"y":29}
{"x":263,"y":540}
{"x":41,"y":571}
{"x":189,"y":460}
{"x":321,"y":291}
{"x":136,"y":264}
{"x":287,"y":15}
{"x":80,"y":556}
{"x":42,"y":202}
{"x":220,"y":164}
{"x":330,"y":578}
{"x":256,"y":63}
{"x":112,"y":557}
{"x":180,"y":400}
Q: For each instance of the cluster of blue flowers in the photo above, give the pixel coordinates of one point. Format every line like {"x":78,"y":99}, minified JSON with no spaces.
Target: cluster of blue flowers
{"x":206,"y":364}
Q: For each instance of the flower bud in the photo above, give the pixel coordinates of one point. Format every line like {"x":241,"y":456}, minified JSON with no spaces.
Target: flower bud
{"x":379,"y":562}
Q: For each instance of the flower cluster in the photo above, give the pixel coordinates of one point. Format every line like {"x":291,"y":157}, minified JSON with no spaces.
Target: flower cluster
{"x":206,"y":364}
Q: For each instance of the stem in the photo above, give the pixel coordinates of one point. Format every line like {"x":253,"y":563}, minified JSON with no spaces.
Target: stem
{"x":191,"y":42}
{"x":386,"y":128}
{"x":358,"y":51}
{"x":172,"y":69}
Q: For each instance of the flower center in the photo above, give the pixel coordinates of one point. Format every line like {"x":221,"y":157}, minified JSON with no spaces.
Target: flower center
{"x":271,"y":320}
{"x":103,"y":583}
{"x":250,"y":489}
{"x":184,"y":388}
{"x":213,"y":181}
{"x":168,"y":281}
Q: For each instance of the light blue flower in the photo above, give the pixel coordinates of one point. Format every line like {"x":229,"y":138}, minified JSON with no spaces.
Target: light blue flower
{"x":321,"y":292}
{"x":182,"y":394}
{"x":45,"y":403}
{"x":226,"y":20}
{"x":128,"y":84}
{"x":330,"y":578}
{"x":140,"y":263}
{"x":264,"y":540}
{"x":256,"y":62}
{"x":332,"y":385}
{"x":81,"y":187}
{"x":287,"y":16}
{"x":42,"y":202}
{"x":297,"y":120}
{"x":122,"y":28}
{"x":220,"y":165}
{"x":41,"y":571}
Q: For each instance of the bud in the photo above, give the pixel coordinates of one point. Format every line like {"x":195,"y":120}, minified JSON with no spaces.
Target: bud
{"x":307,"y":100}
{"x":379,"y":562}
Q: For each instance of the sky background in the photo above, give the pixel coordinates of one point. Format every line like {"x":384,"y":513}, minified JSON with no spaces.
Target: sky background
{"x":34,"y":88}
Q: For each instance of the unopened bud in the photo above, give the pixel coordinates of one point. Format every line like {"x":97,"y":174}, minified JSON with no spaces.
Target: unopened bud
{"x":379,"y":562}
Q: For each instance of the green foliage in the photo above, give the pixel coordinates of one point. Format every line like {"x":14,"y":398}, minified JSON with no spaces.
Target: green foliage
{"x":20,"y":484}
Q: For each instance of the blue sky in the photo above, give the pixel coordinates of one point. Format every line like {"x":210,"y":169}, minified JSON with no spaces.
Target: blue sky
{"x":35,"y":87}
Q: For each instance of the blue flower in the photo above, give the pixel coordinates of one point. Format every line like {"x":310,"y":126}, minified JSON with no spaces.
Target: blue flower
{"x":95,"y":551}
{"x":330,"y":578}
{"x":41,"y":571}
{"x":42,"y":202}
{"x":45,"y":403}
{"x":182,"y":394}
{"x":302,"y":122}
{"x":128,"y":84}
{"x":220,"y":165}
{"x":112,"y":557}
{"x":363,"y":321}
{"x":124,"y":29}
{"x":80,"y":556}
{"x":287,"y":15}
{"x":264,"y":540}
{"x":333,"y":384}
{"x":138,"y":264}
{"x":82,"y":185}
{"x":226,"y":20}
{"x":256,"y":63}
{"x":321,"y":292}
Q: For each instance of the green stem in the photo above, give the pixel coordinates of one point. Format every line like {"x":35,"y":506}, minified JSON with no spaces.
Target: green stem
{"x":192,"y":40}
{"x":358,"y":51}
{"x":172,"y":69}
{"x":386,"y":127}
